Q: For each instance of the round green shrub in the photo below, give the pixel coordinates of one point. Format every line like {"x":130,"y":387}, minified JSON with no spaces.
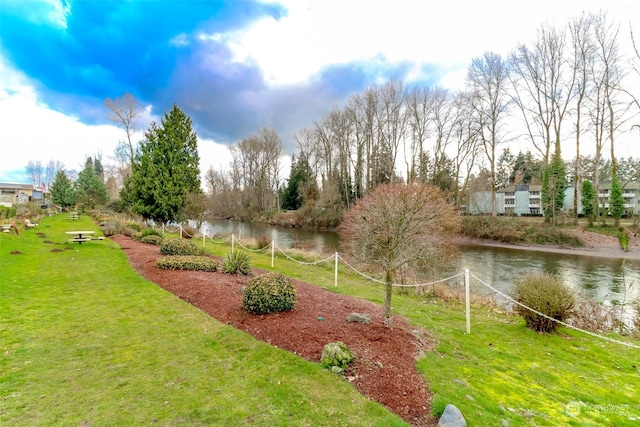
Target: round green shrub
{"x":336,"y":356}
{"x":546,"y":294}
{"x":269,"y":293}
{"x":237,"y":262}
{"x":187,"y":262}
{"x":178,"y":247}
{"x":152,"y":239}
{"x":150,"y":232}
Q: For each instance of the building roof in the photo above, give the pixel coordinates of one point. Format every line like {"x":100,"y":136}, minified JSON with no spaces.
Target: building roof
{"x":15,"y":185}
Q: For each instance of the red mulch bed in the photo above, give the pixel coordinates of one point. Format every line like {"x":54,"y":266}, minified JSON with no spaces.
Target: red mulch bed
{"x":384,"y":369}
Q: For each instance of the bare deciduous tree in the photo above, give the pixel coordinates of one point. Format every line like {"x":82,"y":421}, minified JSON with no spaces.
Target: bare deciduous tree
{"x":398,"y":225}
{"x":420,"y":104}
{"x":607,"y":111}
{"x":487,"y":78}
{"x":256,"y":170}
{"x":123,"y":112}
{"x":582,"y":60}
{"x":391,"y":128}
{"x":35,"y":171}
{"x":544,"y":82}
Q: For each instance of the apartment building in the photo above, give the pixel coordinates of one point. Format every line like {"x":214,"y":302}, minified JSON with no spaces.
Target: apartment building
{"x":526,"y":200}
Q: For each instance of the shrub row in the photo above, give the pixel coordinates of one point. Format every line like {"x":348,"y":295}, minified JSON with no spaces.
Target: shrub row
{"x":113,"y":227}
{"x":514,"y":230}
{"x":178,"y":247}
{"x":187,"y":262}
{"x":152,"y":239}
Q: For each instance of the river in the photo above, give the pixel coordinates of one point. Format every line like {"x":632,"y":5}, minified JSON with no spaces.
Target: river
{"x":607,"y":280}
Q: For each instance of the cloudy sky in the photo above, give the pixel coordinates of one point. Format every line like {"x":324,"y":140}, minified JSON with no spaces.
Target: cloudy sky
{"x":233,"y":65}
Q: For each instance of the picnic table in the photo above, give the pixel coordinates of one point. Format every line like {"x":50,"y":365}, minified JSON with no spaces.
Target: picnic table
{"x":82,"y":236}
{"x":74,"y":215}
{"x":6,"y":228}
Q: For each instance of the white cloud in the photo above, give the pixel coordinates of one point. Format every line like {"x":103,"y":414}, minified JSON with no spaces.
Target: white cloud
{"x":315,"y":33}
{"x":35,"y":132}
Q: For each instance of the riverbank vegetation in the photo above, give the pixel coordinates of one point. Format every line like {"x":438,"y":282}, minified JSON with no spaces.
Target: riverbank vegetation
{"x":115,"y":349}
{"x":516,"y":230}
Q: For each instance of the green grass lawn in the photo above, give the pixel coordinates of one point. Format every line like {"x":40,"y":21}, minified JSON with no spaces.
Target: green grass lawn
{"x":502,"y":370}
{"x":84,"y":340}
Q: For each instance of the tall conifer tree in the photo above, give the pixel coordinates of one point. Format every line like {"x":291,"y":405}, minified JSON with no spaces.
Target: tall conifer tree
{"x":166,"y":169}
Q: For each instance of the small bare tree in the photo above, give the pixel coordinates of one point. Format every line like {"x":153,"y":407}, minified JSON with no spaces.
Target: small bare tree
{"x":399,"y":225}
{"x":123,"y":112}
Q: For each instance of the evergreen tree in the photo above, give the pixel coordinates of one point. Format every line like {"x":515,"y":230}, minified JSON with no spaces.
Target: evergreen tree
{"x":166,"y":169}
{"x":62,"y":193}
{"x":554,"y":183}
{"x":588,"y":201}
{"x":90,"y":189}
{"x":292,"y":196}
{"x":616,"y":201}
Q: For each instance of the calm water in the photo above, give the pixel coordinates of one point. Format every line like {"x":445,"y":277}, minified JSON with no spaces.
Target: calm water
{"x":600,"y":279}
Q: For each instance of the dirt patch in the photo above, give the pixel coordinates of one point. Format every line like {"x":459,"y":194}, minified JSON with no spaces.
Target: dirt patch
{"x":384,"y":369}
{"x":15,"y":253}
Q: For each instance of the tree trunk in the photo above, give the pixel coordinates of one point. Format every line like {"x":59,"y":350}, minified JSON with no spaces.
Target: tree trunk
{"x":387,"y":299}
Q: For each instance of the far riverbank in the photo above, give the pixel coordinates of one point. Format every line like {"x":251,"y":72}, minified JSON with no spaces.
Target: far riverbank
{"x":596,"y":245}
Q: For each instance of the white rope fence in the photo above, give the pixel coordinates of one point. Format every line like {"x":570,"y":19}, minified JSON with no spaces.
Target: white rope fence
{"x":337,"y":258}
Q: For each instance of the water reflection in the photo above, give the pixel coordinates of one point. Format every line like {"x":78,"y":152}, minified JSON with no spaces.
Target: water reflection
{"x":320,"y":241}
{"x":600,"y":279}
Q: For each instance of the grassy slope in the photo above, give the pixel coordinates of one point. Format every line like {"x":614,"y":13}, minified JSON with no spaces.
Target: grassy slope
{"x":509,"y":372}
{"x":86,"y":341}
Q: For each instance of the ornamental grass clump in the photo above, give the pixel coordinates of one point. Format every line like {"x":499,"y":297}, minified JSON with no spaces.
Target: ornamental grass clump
{"x":178,"y":247}
{"x":269,"y":293}
{"x":187,"y":262}
{"x":546,"y":294}
{"x":236,"y":262}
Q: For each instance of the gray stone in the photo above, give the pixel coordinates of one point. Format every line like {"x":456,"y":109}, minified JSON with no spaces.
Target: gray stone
{"x":452,"y":417}
{"x":359,"y":318}
{"x":460,"y":382}
{"x":505,"y":423}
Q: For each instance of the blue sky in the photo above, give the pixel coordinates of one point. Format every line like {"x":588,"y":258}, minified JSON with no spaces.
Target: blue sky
{"x":233,"y":66}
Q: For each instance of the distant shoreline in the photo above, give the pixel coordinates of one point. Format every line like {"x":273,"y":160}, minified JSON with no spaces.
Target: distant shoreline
{"x":605,"y":252}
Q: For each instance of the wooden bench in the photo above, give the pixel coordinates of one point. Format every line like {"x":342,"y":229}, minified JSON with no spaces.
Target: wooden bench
{"x":79,"y":240}
{"x":81,"y":236}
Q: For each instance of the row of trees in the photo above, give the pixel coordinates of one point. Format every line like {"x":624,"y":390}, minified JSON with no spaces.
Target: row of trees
{"x":88,"y":190}
{"x":40,"y":174}
{"x":568,"y":86}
